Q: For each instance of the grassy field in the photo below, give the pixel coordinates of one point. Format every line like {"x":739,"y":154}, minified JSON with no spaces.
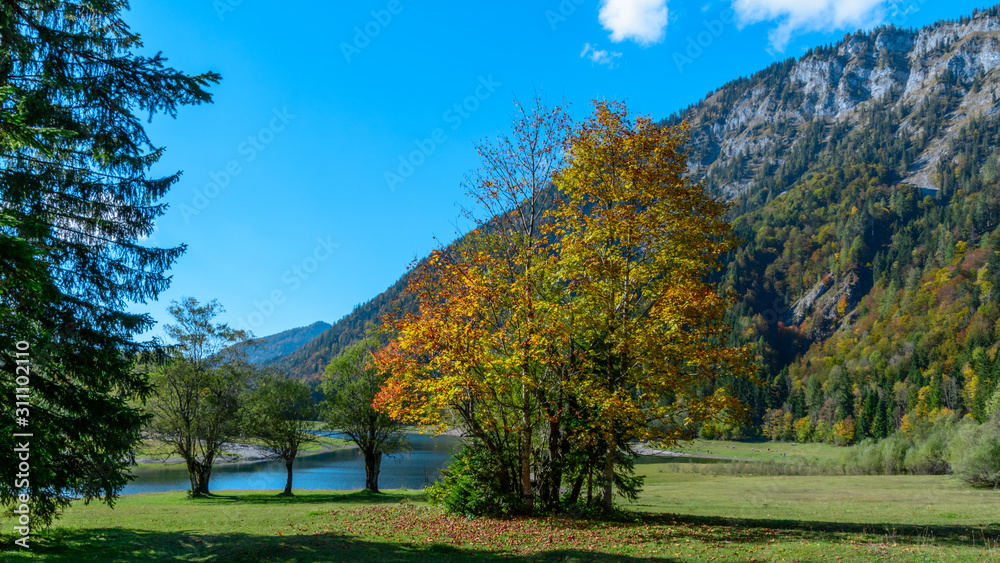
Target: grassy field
{"x":769,"y":451}
{"x":680,"y":517}
{"x":912,"y":500}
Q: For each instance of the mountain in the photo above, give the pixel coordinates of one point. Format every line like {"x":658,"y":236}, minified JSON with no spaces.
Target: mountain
{"x":865,"y":180}
{"x":286,"y":342}
{"x":863,"y":177}
{"x":308,"y":361}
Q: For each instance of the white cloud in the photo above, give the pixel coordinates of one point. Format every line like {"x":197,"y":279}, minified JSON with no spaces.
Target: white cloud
{"x":643,"y":21}
{"x":599,"y":56}
{"x":796,"y":16}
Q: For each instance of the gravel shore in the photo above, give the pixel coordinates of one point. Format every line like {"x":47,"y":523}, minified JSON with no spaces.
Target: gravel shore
{"x":238,"y":453}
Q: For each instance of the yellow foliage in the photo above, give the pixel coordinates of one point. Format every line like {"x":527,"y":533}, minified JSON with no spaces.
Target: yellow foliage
{"x":842,"y":305}
{"x":959,"y":248}
{"x":803,"y":429}
{"x":843,"y":432}
{"x":906,"y":424}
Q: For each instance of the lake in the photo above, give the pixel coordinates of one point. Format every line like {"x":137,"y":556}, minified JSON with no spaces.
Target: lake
{"x":342,"y":469}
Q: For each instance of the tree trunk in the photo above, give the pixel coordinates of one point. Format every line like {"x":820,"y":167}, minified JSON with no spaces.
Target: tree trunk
{"x":574,"y":496}
{"x":288,"y":483}
{"x":590,"y":486}
{"x":192,"y":468}
{"x":555,"y":474}
{"x":373,"y":462}
{"x":199,"y":472}
{"x":609,"y":478}
{"x":526,"y":493}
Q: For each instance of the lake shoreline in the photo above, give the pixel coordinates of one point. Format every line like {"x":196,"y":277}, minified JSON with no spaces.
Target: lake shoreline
{"x":253,"y":454}
{"x":249,"y":453}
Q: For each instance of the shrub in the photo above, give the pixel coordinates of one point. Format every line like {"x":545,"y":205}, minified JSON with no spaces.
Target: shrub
{"x":976,"y":454}
{"x":871,"y":457}
{"x":899,"y":454}
{"x":929,"y":456}
{"x":720,"y":431}
{"x":843,"y":432}
{"x":478,"y":483}
{"x":892,"y":452}
{"x":823,"y":433}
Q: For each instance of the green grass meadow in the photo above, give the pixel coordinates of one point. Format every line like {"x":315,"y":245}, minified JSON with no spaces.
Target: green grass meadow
{"x":681,"y":516}
{"x":764,"y":451}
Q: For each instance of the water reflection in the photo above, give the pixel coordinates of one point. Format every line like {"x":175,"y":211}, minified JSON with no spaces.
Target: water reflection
{"x":338,"y":469}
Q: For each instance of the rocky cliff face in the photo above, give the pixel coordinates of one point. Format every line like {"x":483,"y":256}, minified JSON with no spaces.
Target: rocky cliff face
{"x":756,"y":120}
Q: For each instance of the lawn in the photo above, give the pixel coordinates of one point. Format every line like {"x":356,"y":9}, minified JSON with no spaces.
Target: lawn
{"x":912,"y":500}
{"x":680,"y":517}
{"x":774,"y":451}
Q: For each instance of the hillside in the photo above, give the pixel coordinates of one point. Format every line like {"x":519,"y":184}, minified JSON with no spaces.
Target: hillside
{"x":864,"y":178}
{"x":285,"y":342}
{"x":308,"y":361}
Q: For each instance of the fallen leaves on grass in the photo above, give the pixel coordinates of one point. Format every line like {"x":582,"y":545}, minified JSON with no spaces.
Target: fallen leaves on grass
{"x":530,"y":535}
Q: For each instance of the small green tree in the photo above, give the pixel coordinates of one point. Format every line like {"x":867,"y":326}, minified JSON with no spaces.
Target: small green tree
{"x":198,"y":395}
{"x":350,"y":385}
{"x":279,"y":413}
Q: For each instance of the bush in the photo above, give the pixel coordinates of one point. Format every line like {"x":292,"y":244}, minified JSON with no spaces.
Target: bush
{"x":478,"y":483}
{"x":871,"y":457}
{"x":803,"y":430}
{"x":899,"y":454}
{"x":929,"y":457}
{"x":843,"y":432}
{"x":823,"y":432}
{"x":720,"y":431}
{"x":976,"y":454}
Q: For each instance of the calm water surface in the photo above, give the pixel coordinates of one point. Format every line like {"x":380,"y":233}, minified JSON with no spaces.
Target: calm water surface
{"x":339,"y":469}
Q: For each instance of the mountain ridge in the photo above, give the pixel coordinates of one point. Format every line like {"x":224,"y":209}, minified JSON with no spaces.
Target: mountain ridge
{"x":285,"y":342}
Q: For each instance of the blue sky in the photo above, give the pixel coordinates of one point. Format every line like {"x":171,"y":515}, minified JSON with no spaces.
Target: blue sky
{"x":335,"y":149}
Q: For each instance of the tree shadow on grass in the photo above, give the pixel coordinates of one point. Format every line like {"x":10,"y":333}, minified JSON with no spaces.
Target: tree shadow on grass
{"x":117,"y":545}
{"x":755,"y":530}
{"x":307,"y":497}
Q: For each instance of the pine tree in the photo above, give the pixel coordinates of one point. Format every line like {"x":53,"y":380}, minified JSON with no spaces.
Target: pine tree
{"x":866,"y":419}
{"x":75,"y":199}
{"x":882,"y":426}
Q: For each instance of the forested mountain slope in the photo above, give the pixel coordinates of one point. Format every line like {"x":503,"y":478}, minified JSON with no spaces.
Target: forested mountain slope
{"x":308,"y":361}
{"x":864,"y":177}
{"x":285,"y":342}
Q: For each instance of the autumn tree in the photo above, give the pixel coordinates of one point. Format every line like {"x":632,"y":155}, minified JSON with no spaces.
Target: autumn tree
{"x":558,"y":332}
{"x":637,"y":244}
{"x":77,"y":196}
{"x":513,"y":192}
{"x":477,"y":355}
